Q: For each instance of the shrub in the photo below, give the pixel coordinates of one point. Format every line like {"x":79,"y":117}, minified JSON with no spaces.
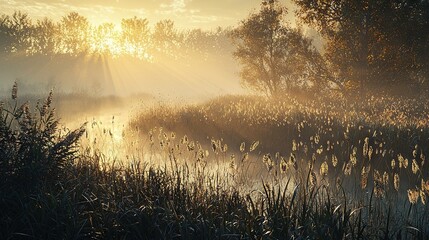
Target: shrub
{"x":33,"y":149}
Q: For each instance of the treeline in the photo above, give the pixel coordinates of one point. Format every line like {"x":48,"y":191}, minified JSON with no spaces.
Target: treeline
{"x":370,"y":47}
{"x":73,"y":35}
{"x":373,"y":44}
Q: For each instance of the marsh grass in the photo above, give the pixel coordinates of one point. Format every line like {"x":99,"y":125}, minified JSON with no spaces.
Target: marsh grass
{"x":186,"y":188}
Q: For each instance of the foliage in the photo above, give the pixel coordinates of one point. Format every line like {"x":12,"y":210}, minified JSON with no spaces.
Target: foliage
{"x":275,"y":58}
{"x":177,"y":187}
{"x":166,"y":38}
{"x":75,"y":32}
{"x":32,"y":149}
{"x":74,"y":36}
{"x":46,"y":33}
{"x":135,"y":36}
{"x":373,"y":43}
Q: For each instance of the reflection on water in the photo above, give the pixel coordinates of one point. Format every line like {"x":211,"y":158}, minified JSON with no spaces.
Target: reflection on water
{"x":106,"y":128}
{"x":109,"y":136}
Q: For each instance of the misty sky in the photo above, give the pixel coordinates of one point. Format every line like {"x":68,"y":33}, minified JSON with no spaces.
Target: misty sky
{"x":206,"y":14}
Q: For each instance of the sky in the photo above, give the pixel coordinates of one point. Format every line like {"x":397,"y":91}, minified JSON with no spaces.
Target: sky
{"x":204,"y":14}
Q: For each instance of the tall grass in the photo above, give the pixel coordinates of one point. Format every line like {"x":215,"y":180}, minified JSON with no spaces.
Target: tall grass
{"x":190,"y":188}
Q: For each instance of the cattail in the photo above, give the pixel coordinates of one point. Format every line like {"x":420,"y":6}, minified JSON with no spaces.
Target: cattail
{"x":414,"y":153}
{"x":242,"y":147}
{"x":413,"y":196}
{"x":292,"y":161}
{"x":199,"y":154}
{"x":232,"y":165}
{"x":400,"y":160}
{"x":378,"y":189}
{"x":415,"y":167}
{"x":385,"y":179}
{"x":283,"y":165}
{"x":324,"y":169}
{"x":265,"y":158}
{"x":268,"y":161}
{"x":184,"y":140}
{"x":405,"y":163}
{"x":15,"y":91}
{"x":254,"y":146}
{"x":425,"y":185}
{"x":225,"y":148}
{"x":214,"y":145}
{"x":364,"y":177}
{"x":396,"y":181}
{"x":348,"y":169}
{"x":353,"y":159}
{"x":370,"y":151}
{"x":191,"y":146}
{"x":334,"y":161}
{"x":294,"y":146}
{"x":365,"y":146}
{"x":320,"y":150}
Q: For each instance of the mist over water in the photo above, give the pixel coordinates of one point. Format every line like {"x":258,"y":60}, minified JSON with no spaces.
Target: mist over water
{"x":194,"y":79}
{"x":107,"y":92}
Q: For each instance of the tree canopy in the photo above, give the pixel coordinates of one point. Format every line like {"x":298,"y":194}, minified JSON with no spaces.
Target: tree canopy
{"x":373,"y":43}
{"x":274,"y":57}
{"x":75,"y":36}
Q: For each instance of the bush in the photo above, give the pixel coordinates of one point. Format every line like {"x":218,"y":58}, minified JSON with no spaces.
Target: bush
{"x":33,"y":149}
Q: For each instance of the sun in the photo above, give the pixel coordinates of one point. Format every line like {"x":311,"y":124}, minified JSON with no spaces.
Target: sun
{"x":106,"y":39}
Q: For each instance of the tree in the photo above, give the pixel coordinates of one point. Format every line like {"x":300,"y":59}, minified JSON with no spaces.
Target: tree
{"x":135,"y":39}
{"x":275,"y":58}
{"x":45,"y":38}
{"x":105,"y":40}
{"x":74,"y":34}
{"x":371,"y":43}
{"x":5,"y":34}
{"x":20,"y":32}
{"x":166,"y":39}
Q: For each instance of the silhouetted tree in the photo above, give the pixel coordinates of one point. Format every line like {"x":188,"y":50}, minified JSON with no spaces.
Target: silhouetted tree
{"x":5,"y":35}
{"x":20,"y":32}
{"x":197,"y":41}
{"x":74,"y":34}
{"x":166,"y":39}
{"x":371,"y":43}
{"x":135,"y":39}
{"x":45,"y":37}
{"x":105,"y":39}
{"x":275,"y":58}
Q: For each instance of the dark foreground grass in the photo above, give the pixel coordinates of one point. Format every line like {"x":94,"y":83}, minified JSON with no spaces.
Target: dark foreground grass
{"x":51,"y":191}
{"x":148,"y":203}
